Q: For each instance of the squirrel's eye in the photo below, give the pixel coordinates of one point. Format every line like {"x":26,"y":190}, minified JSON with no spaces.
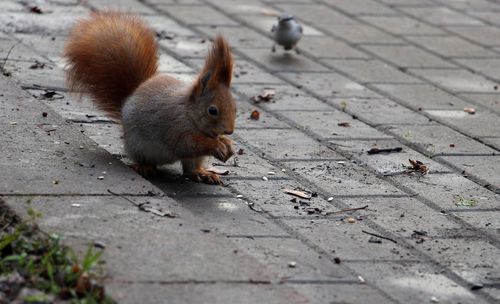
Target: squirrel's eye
{"x":212,"y":110}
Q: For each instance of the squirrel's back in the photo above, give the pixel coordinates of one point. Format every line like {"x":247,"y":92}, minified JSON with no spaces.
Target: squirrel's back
{"x":109,"y":55}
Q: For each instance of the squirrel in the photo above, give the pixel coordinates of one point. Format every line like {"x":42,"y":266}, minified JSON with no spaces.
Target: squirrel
{"x":113,"y":57}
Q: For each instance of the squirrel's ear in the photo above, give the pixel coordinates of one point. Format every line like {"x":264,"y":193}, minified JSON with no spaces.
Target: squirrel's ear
{"x":219,"y":62}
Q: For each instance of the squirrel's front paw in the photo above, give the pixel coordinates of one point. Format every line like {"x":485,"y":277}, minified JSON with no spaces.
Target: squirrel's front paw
{"x":224,"y":149}
{"x":205,"y":176}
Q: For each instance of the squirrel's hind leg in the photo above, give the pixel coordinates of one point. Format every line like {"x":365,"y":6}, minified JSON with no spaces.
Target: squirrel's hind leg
{"x":193,"y":169}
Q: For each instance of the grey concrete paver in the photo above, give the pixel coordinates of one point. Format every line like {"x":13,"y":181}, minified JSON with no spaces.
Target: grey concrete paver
{"x":376,"y":111}
{"x":329,"y":84}
{"x":286,"y":97}
{"x":484,"y":169}
{"x":409,"y":282}
{"x":347,"y":241}
{"x":368,"y":71}
{"x":340,"y":178}
{"x":436,"y":139}
{"x":407,"y":56}
{"x":333,"y":124}
{"x":446,"y":190}
{"x":205,"y":293}
{"x":286,"y":144}
{"x":451,"y":46}
{"x":384,"y":163}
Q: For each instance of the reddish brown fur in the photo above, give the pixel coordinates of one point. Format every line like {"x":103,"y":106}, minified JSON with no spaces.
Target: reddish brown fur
{"x":109,"y":55}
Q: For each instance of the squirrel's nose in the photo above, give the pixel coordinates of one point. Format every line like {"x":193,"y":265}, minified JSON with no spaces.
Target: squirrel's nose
{"x":228,"y":132}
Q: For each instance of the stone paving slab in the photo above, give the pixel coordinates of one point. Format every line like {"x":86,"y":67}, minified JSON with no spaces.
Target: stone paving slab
{"x":407,"y":282}
{"x":400,"y":72}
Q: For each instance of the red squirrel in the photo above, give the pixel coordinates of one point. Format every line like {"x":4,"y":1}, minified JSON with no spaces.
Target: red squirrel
{"x":113,"y":57}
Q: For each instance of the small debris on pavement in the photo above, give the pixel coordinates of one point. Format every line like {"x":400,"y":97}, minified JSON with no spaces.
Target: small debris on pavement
{"x":76,"y":205}
{"x":387,"y":150}
{"x":343,"y":105}
{"x":374,"y":240}
{"x":379,"y":236}
{"x":345,"y":210}
{"x":44,"y":114}
{"x":351,"y":220}
{"x":271,"y":173}
{"x":336,"y":260}
{"x":164,"y":35}
{"x":298,"y":193}
{"x":37,"y":65}
{"x":330,"y":199}
{"x":50,"y":95}
{"x":240,"y":152}
{"x":218,"y":171}
{"x":361,"y":279}
{"x":292,"y":264}
{"x":463,"y":202}
{"x":100,"y":177}
{"x":476,"y":286}
{"x":36,"y":10}
{"x":452,"y":145}
{"x":255,"y":115}
{"x":265,"y":178}
{"x":434,"y":300}
{"x":419,"y":166}
{"x":98,"y":244}
{"x":55,"y":182}
{"x":146,"y":207}
{"x":157,"y":211}
{"x":205,"y":230}
{"x":471,"y":111}
{"x":239,"y":196}
{"x":419,"y":235}
{"x":344,"y":124}
{"x":252,"y":207}
{"x":266,"y":96}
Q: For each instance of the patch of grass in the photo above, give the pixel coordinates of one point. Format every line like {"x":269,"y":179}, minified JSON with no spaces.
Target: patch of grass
{"x":31,"y":259}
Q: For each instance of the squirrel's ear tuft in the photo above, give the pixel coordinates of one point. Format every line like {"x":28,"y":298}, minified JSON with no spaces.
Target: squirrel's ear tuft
{"x":219,"y":62}
{"x":218,"y":68}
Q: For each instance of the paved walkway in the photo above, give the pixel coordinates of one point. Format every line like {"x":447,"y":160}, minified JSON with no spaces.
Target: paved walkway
{"x":372,"y":74}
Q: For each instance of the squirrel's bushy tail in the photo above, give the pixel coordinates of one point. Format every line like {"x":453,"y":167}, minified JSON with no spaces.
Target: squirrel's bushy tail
{"x":109,"y":55}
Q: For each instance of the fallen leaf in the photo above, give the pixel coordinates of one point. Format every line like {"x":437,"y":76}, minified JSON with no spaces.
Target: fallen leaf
{"x":298,"y":193}
{"x":255,"y":115}
{"x":419,"y":166}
